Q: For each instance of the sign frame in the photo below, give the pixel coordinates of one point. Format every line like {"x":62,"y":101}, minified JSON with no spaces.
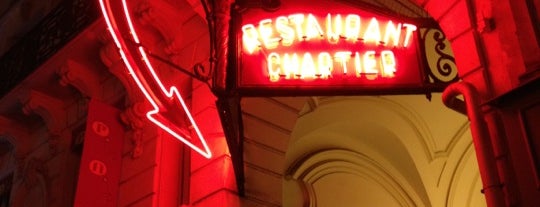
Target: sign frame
{"x":433,"y":77}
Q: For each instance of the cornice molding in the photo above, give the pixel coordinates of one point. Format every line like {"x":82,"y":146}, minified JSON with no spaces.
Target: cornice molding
{"x":47,"y":107}
{"x":110,"y":57}
{"x":53,"y":112}
{"x":164,"y":18}
{"x":134,"y":118}
{"x":83,"y":78}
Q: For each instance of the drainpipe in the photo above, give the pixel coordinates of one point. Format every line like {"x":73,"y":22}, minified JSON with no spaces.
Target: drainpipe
{"x":492,"y":187}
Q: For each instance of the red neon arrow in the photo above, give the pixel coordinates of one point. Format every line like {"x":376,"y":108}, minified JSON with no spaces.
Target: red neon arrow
{"x":165,"y":101}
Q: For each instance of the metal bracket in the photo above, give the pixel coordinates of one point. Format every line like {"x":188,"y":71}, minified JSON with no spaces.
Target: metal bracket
{"x":231,"y":120}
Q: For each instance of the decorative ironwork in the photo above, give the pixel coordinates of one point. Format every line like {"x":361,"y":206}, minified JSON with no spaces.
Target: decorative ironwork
{"x":439,"y":56}
{"x":218,"y":16}
{"x":47,"y":38}
{"x":203,"y":74}
{"x":199,"y":71}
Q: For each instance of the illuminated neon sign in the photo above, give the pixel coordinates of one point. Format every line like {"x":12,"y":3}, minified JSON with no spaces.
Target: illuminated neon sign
{"x":285,"y":31}
{"x":326,"y":47}
{"x":166,"y":101}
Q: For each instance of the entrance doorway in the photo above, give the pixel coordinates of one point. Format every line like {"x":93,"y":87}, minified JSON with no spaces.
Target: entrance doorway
{"x":353,"y":151}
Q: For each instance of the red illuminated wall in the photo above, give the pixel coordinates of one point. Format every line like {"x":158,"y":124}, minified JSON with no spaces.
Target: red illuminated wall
{"x":501,"y":64}
{"x":326,"y":46}
{"x":490,"y":54}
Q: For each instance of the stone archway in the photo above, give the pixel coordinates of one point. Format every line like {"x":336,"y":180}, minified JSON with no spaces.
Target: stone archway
{"x":340,"y":177}
{"x":429,"y":162}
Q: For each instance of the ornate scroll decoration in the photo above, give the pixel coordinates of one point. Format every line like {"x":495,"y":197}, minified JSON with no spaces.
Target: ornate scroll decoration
{"x":48,"y":108}
{"x":134,"y":118}
{"x":110,"y":57}
{"x":218,"y":16}
{"x":82,"y":77}
{"x":164,"y":17}
{"x":439,"y":56}
{"x":158,"y":14}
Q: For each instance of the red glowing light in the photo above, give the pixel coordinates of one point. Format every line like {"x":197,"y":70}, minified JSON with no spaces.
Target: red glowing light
{"x":165,"y":101}
{"x":270,"y":35}
{"x":324,"y":45}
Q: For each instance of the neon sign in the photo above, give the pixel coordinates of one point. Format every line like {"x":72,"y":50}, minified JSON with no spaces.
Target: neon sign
{"x":166,"y":101}
{"x":330,"y":46}
{"x":285,"y":31}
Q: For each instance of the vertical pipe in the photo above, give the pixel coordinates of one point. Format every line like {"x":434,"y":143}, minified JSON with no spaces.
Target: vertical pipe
{"x":492,"y":186}
{"x":221,"y":15}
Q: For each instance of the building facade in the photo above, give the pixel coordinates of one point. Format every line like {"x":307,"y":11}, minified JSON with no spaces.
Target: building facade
{"x":74,"y":129}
